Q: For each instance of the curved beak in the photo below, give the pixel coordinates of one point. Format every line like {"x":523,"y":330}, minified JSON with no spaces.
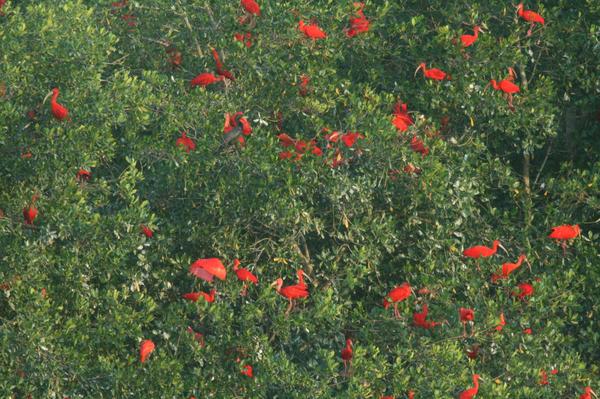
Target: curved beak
{"x":504,"y":249}
{"x":417,"y":70}
{"x":593,"y":393}
{"x":273,"y":284}
{"x":528,"y":264}
{"x":46,"y":98}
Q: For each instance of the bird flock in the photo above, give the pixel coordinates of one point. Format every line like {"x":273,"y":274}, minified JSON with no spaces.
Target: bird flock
{"x":237,"y":127}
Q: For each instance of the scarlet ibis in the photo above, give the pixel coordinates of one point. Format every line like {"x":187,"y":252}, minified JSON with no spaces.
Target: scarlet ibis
{"x":543,"y":377}
{"x":185,"y":142}
{"x":194,"y":296}
{"x":248,"y":371}
{"x":481,"y":251}
{"x":291,"y":292}
{"x":417,"y":145}
{"x":396,"y":295}
{"x":251,"y":7}
{"x":244,"y":275}
{"x":146,"y":231}
{"x":587,"y":393}
{"x":525,"y":290}
{"x":468,"y":40}
{"x":300,"y":276}
{"x":219,"y":67}
{"x":235,"y":127}
{"x":83,"y":175}
{"x":470,"y":393}
{"x":402,"y":120}
{"x":347,"y":355}
{"x":350,"y":138}
{"x":564,"y":233}
{"x":311,"y":31}
{"x":508,"y":268}
{"x":411,"y":395}
{"x":245,"y":38}
{"x":502,"y":323}
{"x":467,"y":315}
{"x":58,"y":111}
{"x":473,"y":351}
{"x":204,"y":79}
{"x":359,"y":24}
{"x":420,"y":319}
{"x":303,"y":86}
{"x":146,"y":348}
{"x":208,"y":268}
{"x":529,"y":16}
{"x":31,"y":212}
{"x":507,"y":87}
{"x":433,"y":73}
{"x":198,"y":337}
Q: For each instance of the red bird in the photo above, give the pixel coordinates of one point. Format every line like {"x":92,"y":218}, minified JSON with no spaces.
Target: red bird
{"x":433,"y":73}
{"x":248,"y":371}
{"x":147,"y":231}
{"x":350,"y":138}
{"x":312,"y":31}
{"x":146,"y":348}
{"x":402,"y":120}
{"x":467,"y":315}
{"x":359,"y":24}
{"x":219,"y":67}
{"x":564,"y":233}
{"x":194,"y":296}
{"x":83,"y":175}
{"x":58,"y":111}
{"x":468,"y":40}
{"x":291,"y":292}
{"x":587,"y":393}
{"x":185,"y":142}
{"x":396,"y":295}
{"x":481,"y":251}
{"x":244,"y":275}
{"x":31,"y":212}
{"x":208,"y":268}
{"x":205,"y":79}
{"x":525,"y":289}
{"x":508,"y":268}
{"x":347,"y":355}
{"x":417,"y":145}
{"x":507,"y":87}
{"x":420,"y":319}
{"x":502,"y":323}
{"x":470,"y":393}
{"x":529,"y":16}
{"x":251,"y":7}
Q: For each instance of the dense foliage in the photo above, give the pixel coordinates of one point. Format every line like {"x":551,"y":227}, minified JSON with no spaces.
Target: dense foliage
{"x":82,"y":286}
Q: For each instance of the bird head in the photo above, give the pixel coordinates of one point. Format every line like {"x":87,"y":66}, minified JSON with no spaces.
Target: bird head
{"x":277,"y":284}
{"x":497,"y":243}
{"x":53,"y":92}
{"x":421,"y":66}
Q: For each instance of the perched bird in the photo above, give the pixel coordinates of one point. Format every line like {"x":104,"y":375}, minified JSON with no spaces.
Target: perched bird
{"x":185,"y":142}
{"x":59,"y":111}
{"x":204,"y":79}
{"x":194,"y":296}
{"x":468,"y":40}
{"x":481,"y":251}
{"x":420,"y":319}
{"x":146,"y":231}
{"x":311,"y":31}
{"x":251,"y":7}
{"x":208,"y":268}
{"x":508,"y":268}
{"x":507,"y":87}
{"x":470,"y":393}
{"x":587,"y":393}
{"x":501,"y":324}
{"x":219,"y":67}
{"x":235,"y":127}
{"x":565,"y":233}
{"x":347,"y":355}
{"x":358,"y":24}
{"x":525,"y":289}
{"x":146,"y":348}
{"x":244,"y":275}
{"x":30,"y":212}
{"x":433,"y":73}
{"x":396,"y":295}
{"x":248,"y":371}
{"x":402,"y":120}
{"x":467,"y":315}
{"x":529,"y":16}
{"x":291,"y":292}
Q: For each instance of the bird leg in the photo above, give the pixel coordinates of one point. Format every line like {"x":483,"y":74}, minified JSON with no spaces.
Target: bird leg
{"x":289,"y":309}
{"x":464,"y":329}
{"x":472,"y":329}
{"x":244,"y":290}
{"x":509,"y":99}
{"x":396,"y":312}
{"x":530,"y":29}
{"x":563,"y":245}
{"x":345,"y":368}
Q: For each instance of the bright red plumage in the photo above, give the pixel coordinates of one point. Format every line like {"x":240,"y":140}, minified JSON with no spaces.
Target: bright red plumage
{"x":565,"y":232}
{"x":251,"y":6}
{"x":481,"y":251}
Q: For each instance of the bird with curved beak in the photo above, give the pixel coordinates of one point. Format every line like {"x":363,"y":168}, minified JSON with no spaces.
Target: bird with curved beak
{"x":291,"y":292}
{"x":59,"y":111}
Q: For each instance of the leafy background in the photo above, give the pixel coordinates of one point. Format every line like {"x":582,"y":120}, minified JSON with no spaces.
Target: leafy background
{"x":356,"y":230}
